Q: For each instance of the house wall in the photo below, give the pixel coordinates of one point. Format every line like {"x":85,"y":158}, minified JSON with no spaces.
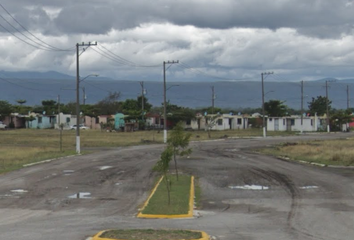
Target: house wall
{"x":224,"y":122}
{"x":18,"y":120}
{"x":119,"y":121}
{"x":310,"y":124}
{"x":42,"y":122}
{"x":276,"y":124}
{"x":66,"y":119}
{"x":91,"y":122}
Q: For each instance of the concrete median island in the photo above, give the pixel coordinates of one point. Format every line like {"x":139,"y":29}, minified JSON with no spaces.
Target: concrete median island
{"x":150,"y":234}
{"x":181,"y":196}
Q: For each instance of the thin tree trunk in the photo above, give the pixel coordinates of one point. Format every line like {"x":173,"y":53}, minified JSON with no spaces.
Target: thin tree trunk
{"x":174,"y":158}
{"x":168,"y":189}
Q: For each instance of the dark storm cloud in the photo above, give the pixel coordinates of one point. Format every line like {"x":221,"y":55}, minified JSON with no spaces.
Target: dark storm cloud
{"x":322,"y":18}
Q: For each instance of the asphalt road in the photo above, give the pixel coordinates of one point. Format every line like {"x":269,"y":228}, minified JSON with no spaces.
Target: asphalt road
{"x":244,"y":195}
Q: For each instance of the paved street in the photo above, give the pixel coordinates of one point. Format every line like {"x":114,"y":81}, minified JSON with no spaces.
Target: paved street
{"x":244,"y":195}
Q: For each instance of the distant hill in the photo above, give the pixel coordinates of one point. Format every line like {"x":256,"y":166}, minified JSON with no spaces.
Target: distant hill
{"x":36,"y":87}
{"x":35,"y":75}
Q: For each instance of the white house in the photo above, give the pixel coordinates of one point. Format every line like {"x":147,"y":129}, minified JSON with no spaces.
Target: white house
{"x":221,"y":122}
{"x":293,"y":123}
{"x":66,"y":119}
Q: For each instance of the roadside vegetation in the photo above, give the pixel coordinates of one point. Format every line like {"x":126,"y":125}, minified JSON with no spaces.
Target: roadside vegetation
{"x":328,"y":152}
{"x":24,"y":146}
{"x":150,"y":234}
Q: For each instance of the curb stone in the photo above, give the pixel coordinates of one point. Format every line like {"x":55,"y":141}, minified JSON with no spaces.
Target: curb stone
{"x":47,"y":161}
{"x":315,"y":164}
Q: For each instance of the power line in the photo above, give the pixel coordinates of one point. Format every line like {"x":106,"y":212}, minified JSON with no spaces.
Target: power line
{"x":125,"y":60}
{"x":40,"y":42}
{"x":118,"y":59}
{"x":35,"y":89}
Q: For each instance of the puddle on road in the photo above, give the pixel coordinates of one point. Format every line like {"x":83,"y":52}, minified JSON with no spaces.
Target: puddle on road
{"x":19,"y":191}
{"x":232,"y":150}
{"x":83,"y":195}
{"x":68,"y":172}
{"x":105,"y":167}
{"x":308,"y":187}
{"x":9,"y":196}
{"x":250,"y":187}
{"x":117,"y":184}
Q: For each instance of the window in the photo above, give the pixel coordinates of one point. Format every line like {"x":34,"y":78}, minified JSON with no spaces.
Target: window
{"x":239,"y":121}
{"x":292,"y":122}
{"x":219,"y":122}
{"x":284,"y":122}
{"x":67,"y":119}
{"x":270,"y":119}
{"x":188,"y":122}
{"x":311,"y":122}
{"x":39,"y":119}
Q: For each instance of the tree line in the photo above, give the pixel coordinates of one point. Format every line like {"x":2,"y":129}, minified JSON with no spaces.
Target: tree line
{"x":133,"y":108}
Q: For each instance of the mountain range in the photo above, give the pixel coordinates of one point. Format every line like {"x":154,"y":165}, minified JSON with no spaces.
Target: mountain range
{"x":35,"y":87}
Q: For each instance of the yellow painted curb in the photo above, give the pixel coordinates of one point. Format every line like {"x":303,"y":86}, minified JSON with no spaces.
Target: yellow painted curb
{"x":188,"y":215}
{"x":205,"y":236}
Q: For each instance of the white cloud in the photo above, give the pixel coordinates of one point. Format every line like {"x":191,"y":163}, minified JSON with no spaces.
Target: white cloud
{"x":229,"y":39}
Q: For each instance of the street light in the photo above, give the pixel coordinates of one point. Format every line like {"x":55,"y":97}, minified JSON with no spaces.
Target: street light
{"x":164,"y":99}
{"x":175,"y":85}
{"x":78,"y":45}
{"x":78,"y":110}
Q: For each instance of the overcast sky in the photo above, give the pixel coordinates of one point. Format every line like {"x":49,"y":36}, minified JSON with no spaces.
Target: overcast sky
{"x":214,"y":40}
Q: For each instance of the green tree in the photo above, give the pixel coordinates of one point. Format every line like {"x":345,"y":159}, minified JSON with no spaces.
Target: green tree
{"x":163,"y":166}
{"x":177,"y":113}
{"x":179,"y":141}
{"x":340,"y":117}
{"x":147,"y":105}
{"x":5,"y":109}
{"x":319,"y":105}
{"x":109,"y":105}
{"x":49,"y":106}
{"x":69,"y":108}
{"x":275,"y":108}
{"x":89,"y":110}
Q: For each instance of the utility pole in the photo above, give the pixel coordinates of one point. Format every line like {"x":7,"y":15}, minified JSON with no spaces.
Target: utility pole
{"x":164,"y":100}
{"x":83,"y":95}
{"x":348,"y":97}
{"x":212,"y":99}
{"x":327,"y":108}
{"x":78,"y":45}
{"x":263,"y":110}
{"x":302,"y":106}
{"x":142,"y":100}
{"x":60,"y":127}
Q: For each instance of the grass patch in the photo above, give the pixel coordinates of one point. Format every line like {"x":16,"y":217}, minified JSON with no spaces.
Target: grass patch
{"x":180,"y":191}
{"x":241,"y":133}
{"x":329,"y":152}
{"x":150,"y":234}
{"x":24,"y":146}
